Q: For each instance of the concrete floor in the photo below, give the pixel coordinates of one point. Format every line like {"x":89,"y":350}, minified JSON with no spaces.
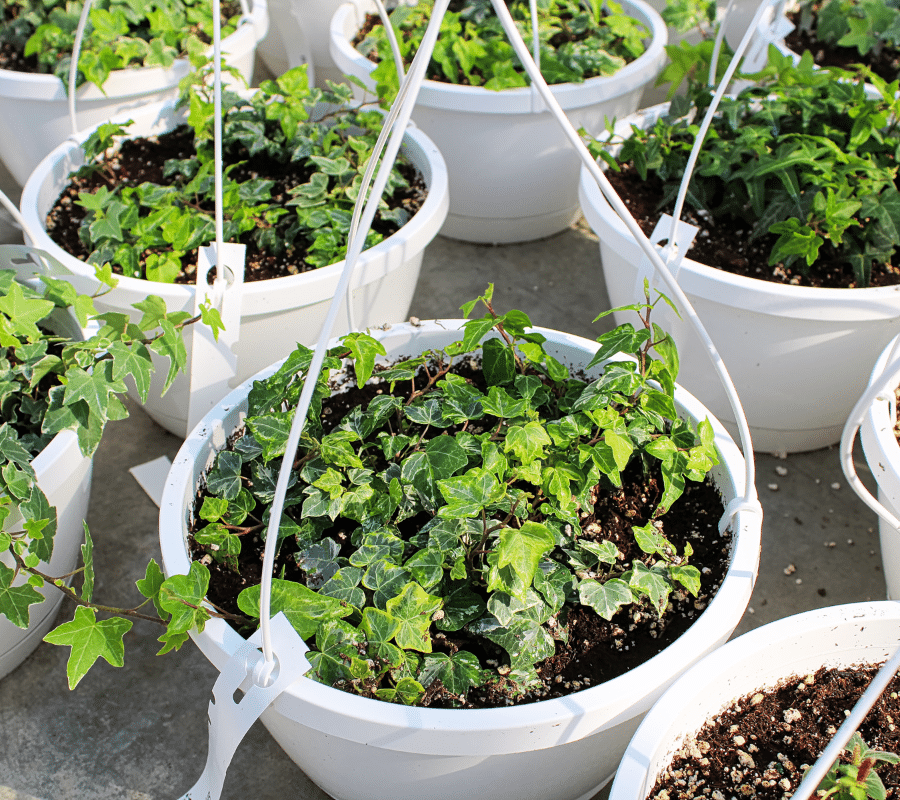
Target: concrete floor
{"x":139,"y":732}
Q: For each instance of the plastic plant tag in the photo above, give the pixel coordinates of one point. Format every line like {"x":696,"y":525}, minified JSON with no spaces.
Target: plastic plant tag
{"x":685,"y":234}
{"x":151,"y":477}
{"x":213,"y":362}
{"x":229,"y":721}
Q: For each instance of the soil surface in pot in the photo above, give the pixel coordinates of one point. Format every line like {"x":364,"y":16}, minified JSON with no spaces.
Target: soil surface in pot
{"x":597,"y":650}
{"x":142,"y":160}
{"x":12,"y":55}
{"x":761,"y":745}
{"x":726,"y":244}
{"x":886,"y":64}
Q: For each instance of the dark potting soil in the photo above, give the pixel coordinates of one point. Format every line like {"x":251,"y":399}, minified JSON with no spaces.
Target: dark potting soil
{"x":142,"y":160}
{"x":726,"y":243}
{"x":761,"y":745}
{"x":886,"y":64}
{"x":12,"y":57}
{"x":597,"y":650}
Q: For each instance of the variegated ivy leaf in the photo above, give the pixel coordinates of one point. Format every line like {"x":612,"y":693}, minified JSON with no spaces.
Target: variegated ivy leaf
{"x":687,"y":575}
{"x":506,"y":607}
{"x":605,"y":598}
{"x":380,"y":628}
{"x":319,"y":561}
{"x":524,"y":641}
{"x":182,"y":597}
{"x":426,"y":567}
{"x":466,"y":495}
{"x":344,"y":585}
{"x":522,"y":549}
{"x":653,"y":583}
{"x":363,"y":347}
{"x":458,"y":673}
{"x":224,"y":480}
{"x":386,"y":580}
{"x":15,"y":600}
{"x":338,"y":643}
{"x":305,"y":609}
{"x":461,"y":606}
{"x":527,"y":442}
{"x":498,"y":363}
{"x":408,"y":691}
{"x":413,"y":608}
{"x":270,"y":432}
{"x":650,"y":540}
{"x":499,"y":403}
{"x":446,"y":456}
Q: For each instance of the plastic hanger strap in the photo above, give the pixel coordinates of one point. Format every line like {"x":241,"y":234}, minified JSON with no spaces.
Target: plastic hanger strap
{"x":229,"y":720}
{"x":735,"y":506}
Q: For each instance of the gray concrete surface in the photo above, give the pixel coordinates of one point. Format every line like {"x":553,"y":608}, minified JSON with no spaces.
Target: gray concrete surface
{"x":139,"y":732}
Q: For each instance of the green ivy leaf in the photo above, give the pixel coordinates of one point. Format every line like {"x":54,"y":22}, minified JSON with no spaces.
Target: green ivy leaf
{"x":605,"y":598}
{"x":305,"y":609}
{"x":413,"y":608}
{"x":15,"y":600}
{"x":458,"y":673}
{"x":90,"y":640}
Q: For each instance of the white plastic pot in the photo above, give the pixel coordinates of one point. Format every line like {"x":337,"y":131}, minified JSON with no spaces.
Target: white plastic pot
{"x":277,"y":313}
{"x":883,"y":457}
{"x":782,"y":345}
{"x":513,"y":174}
{"x":838,"y":636}
{"x":64,"y":475}
{"x":360,"y":749}
{"x":34,"y":109}
{"x":299,"y":34}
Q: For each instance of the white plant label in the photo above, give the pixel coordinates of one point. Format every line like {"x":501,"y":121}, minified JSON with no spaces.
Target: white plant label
{"x":685,"y":234}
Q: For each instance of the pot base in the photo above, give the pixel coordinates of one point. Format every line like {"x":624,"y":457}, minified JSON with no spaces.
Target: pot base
{"x":505,"y":230}
{"x":31,"y":638}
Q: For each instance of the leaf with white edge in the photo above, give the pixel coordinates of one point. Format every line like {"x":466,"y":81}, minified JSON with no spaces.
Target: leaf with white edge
{"x":344,"y":585}
{"x":14,"y":600}
{"x":40,"y":523}
{"x":408,"y":691}
{"x":417,"y":471}
{"x":90,"y":640}
{"x":319,"y":561}
{"x":461,"y":606}
{"x":651,"y":582}
{"x":527,"y":441}
{"x":386,"y":580}
{"x":379,"y":628}
{"x":337,"y":642}
{"x":650,"y":540}
{"x":305,"y":609}
{"x":24,"y":311}
{"x":171,"y":345}
{"x":458,"y":673}
{"x":225,"y":478}
{"x":16,"y":481}
{"x":499,"y":403}
{"x":426,"y":567}
{"x":687,"y":575}
{"x":446,"y":456}
{"x":605,"y":598}
{"x":525,"y":641}
{"x":505,"y":607}
{"x":271,"y":432}
{"x":599,"y":552}
{"x":522,"y":549}
{"x":466,"y":495}
{"x":413,"y":607}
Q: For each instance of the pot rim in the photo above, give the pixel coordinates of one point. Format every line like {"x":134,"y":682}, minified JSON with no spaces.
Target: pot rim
{"x":551,"y":721}
{"x":660,"y":728}
{"x":412,"y":237}
{"x":121,"y":82}
{"x":520,"y":100}
{"x":711,"y":283}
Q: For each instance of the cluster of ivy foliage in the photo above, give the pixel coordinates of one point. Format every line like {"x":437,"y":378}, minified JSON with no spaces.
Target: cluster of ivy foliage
{"x":119,"y":33}
{"x":153,"y":230}
{"x":868,"y":25}
{"x":448,"y":507}
{"x":50,"y":383}
{"x":578,"y":41}
{"x":806,"y":154}
{"x":857,"y":779}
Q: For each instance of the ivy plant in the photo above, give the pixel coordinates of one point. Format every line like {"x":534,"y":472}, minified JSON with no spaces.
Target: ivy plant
{"x":856,"y":779}
{"x":578,"y":41}
{"x":447,"y":505}
{"x":51,"y":383}
{"x":807,"y":157}
{"x":152,"y":230}
{"x":119,"y":33}
{"x":870,"y":27}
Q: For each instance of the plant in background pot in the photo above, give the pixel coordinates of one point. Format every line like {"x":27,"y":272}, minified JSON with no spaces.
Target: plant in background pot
{"x":293,"y":164}
{"x":132,"y":54}
{"x":58,"y":390}
{"x":466,"y":516}
{"x":749,"y":719}
{"x":512,"y":171}
{"x":795,"y":200}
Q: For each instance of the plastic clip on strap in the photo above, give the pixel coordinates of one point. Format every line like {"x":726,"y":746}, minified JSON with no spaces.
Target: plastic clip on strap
{"x":672,"y":253}
{"x":229,"y":720}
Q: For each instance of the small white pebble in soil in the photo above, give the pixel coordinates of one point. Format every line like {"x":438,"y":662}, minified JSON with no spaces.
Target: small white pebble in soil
{"x":745,"y":759}
{"x":846,"y":712}
{"x":790,"y":569}
{"x":798,"y":581}
{"x":781,"y":470}
{"x":791,"y":715}
{"x":773,"y":487}
{"x":739,"y":740}
{"x":850,"y":542}
{"x":784,"y":783}
{"x":830,"y":544}
{"x":750,"y":610}
{"x":835,"y":485}
{"x":756,"y":699}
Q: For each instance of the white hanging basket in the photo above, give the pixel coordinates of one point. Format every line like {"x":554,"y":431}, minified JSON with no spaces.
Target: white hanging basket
{"x":782,"y":345}
{"x":64,"y":475}
{"x":512,"y":173}
{"x":34,"y":110}
{"x":839,"y":636}
{"x":550,"y":750}
{"x":883,"y":457}
{"x":276,"y":313}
